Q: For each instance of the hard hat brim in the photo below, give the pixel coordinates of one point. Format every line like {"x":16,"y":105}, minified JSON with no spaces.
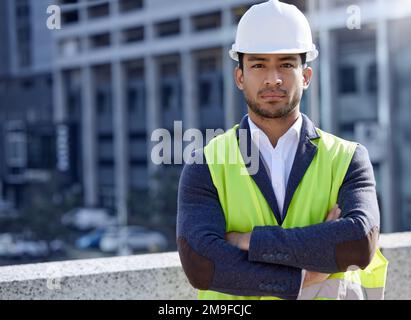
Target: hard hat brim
{"x":311,"y":55}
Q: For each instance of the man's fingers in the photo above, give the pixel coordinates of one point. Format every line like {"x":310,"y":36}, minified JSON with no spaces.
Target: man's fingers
{"x":330,"y":215}
{"x":232,"y":238}
{"x":334,"y":214}
{"x":314,"y":278}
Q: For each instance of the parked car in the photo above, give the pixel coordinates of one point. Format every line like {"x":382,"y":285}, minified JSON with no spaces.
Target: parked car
{"x":14,"y":247}
{"x":6,"y":241}
{"x":88,"y":218}
{"x":90,"y":240}
{"x":30,"y":249}
{"x":138,"y":239}
{"x":57,"y":246}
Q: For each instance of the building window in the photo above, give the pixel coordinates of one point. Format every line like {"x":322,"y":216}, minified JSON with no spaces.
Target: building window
{"x":16,"y":149}
{"x":168,"y":28}
{"x":209,"y":83}
{"x":100,"y":40}
{"x":204,"y":89}
{"x":23,"y":34}
{"x":22,"y":10}
{"x":238,"y":12}
{"x":105,"y":149}
{"x":24,"y":56}
{"x":300,"y":4}
{"x":106,"y":191}
{"x":135,"y":99}
{"x":70,"y":17}
{"x":68,"y":1}
{"x":41,"y":153}
{"x":167,"y":96}
{"x":3,"y":86}
{"x":129,"y":5}
{"x":48,"y":81}
{"x":138,"y":150}
{"x":74,"y":103}
{"x":169,"y":69}
{"x":210,"y":90}
{"x":103,"y":103}
{"x":207,"y":64}
{"x":27,"y":84}
{"x":207,"y":21}
{"x":372,"y":78}
{"x":347,"y":77}
{"x":169,"y":88}
{"x":98,"y":11}
{"x":135,"y":34}
{"x":70,"y":46}
{"x":132,"y":100}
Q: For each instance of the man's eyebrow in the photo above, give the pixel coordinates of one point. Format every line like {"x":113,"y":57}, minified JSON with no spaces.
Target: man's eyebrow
{"x":288,"y":58}
{"x":255,"y":58}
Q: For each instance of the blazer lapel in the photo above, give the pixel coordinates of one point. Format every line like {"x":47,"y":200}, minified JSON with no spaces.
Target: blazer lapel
{"x":260,"y":177}
{"x":306,"y":151}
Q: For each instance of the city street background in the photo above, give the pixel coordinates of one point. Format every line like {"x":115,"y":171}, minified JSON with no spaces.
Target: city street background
{"x":78,"y":105}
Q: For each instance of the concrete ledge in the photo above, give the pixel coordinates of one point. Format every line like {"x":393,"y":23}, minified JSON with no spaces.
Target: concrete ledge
{"x":396,"y":247}
{"x":154,"y":276}
{"x":151,"y":276}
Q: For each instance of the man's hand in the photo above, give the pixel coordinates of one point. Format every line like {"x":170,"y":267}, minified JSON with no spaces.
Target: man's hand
{"x":312,"y":277}
{"x":334,"y":214}
{"x":239,"y":240}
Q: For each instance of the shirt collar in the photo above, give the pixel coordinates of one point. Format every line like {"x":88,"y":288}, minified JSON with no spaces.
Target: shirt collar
{"x":257,"y":135}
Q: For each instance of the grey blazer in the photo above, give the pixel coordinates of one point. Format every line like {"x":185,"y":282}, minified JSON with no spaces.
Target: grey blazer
{"x":276,"y":256}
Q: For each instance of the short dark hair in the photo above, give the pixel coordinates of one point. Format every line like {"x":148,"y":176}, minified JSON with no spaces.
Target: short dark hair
{"x":241,"y":59}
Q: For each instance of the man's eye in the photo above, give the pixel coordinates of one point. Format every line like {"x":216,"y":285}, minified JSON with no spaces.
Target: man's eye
{"x":287,"y":65}
{"x":257,"y":66}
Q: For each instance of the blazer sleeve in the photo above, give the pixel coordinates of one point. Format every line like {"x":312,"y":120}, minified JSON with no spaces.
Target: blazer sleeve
{"x":334,"y":246}
{"x":208,"y":260}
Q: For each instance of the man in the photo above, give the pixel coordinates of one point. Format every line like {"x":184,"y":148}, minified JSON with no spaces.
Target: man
{"x":306,"y":224}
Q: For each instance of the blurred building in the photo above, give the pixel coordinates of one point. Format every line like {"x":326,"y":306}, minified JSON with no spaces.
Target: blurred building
{"x":123,"y":68}
{"x":127,"y":67}
{"x":364,"y":74}
{"x":26,"y":122}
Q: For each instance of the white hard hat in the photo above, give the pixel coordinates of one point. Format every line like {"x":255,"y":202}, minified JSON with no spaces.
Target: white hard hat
{"x":274,"y":27}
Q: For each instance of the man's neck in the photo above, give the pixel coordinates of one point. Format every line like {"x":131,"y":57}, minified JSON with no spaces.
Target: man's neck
{"x":274,"y":128}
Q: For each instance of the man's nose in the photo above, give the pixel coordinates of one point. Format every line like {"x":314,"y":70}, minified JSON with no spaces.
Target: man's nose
{"x":273,"y":78}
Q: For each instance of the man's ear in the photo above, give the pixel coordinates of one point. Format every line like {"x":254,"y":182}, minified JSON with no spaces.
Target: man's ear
{"x":307,"y":75}
{"x":239,"y":78}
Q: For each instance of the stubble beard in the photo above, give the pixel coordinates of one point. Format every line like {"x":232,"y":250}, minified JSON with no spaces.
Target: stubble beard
{"x":272,"y":114}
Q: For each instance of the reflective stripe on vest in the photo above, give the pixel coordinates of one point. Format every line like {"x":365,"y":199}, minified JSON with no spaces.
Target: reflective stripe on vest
{"x":367,"y":284}
{"x":245,"y":207}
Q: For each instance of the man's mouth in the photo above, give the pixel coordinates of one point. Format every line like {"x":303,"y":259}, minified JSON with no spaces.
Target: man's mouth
{"x":272,"y":95}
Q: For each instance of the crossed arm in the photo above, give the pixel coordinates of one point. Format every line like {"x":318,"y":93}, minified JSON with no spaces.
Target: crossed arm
{"x":213,"y":263}
{"x":242,"y":241}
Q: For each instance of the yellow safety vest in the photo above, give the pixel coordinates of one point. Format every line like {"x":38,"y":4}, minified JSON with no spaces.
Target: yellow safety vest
{"x":245,"y":207}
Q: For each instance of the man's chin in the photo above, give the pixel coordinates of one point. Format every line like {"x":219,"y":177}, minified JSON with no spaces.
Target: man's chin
{"x":269,"y":109}
{"x":273,"y":106}
{"x":273,"y":113}
{"x":274,"y":110}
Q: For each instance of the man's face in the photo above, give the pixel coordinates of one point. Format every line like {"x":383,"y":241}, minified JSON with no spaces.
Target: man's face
{"x":273,"y":84}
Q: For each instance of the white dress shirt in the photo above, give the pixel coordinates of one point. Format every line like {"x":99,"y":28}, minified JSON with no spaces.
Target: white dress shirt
{"x":279,"y":160}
